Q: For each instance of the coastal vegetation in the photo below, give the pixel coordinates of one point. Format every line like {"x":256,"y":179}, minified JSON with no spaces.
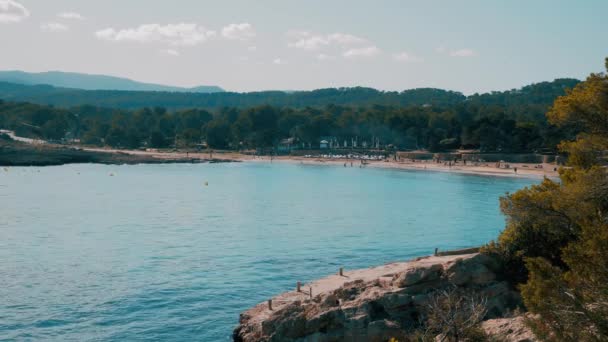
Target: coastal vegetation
{"x":437,"y":120}
{"x":555,"y":245}
{"x":454,"y":314}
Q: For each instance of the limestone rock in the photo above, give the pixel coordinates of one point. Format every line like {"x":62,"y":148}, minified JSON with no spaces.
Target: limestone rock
{"x":418,"y":275}
{"x":471,"y":270}
{"x":372,"y":304}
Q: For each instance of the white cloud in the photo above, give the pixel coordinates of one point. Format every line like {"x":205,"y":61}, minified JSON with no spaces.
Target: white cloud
{"x":252,"y":48}
{"x":368,"y":51}
{"x":278,"y":61}
{"x":171,"y":52}
{"x":185,"y":34}
{"x":406,"y":57}
{"x":463,"y":53}
{"x":440,"y":49}
{"x":12,"y":11}
{"x":242,"y":31}
{"x":70,"y":15}
{"x":54,"y":27}
{"x":307,"y":41}
{"x":324,"y":57}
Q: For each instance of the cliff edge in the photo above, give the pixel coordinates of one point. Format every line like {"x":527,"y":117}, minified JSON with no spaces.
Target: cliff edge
{"x":373,"y":304}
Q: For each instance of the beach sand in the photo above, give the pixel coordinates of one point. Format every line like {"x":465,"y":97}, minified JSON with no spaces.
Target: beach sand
{"x":488,"y":168}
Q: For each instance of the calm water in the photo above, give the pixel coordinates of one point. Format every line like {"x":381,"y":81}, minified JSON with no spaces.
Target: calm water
{"x":151,"y":253}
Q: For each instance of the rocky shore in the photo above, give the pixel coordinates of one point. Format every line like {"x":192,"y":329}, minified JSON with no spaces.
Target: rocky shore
{"x":380,"y":303}
{"x":23,"y":154}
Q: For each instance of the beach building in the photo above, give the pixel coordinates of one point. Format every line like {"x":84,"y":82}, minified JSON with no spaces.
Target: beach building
{"x":286,"y":145}
{"x":324,"y":144}
{"x":331,"y":142}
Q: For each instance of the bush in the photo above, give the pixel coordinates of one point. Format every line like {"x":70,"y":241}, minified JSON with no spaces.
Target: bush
{"x":452,"y":315}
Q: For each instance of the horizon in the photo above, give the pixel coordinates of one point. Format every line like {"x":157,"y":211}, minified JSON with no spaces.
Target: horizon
{"x":301,"y":47}
{"x":267,"y":90}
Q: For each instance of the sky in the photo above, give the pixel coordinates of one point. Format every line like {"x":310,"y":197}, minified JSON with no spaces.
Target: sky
{"x":466,"y":45}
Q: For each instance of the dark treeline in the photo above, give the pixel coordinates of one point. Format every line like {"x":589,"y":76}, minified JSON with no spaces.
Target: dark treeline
{"x":65,"y":97}
{"x":512,"y":121}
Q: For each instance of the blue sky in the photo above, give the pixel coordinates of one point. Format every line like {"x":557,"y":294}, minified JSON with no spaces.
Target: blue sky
{"x":468,"y":45}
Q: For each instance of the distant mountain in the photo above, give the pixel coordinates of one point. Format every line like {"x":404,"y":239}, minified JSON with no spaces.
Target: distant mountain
{"x":94,"y":82}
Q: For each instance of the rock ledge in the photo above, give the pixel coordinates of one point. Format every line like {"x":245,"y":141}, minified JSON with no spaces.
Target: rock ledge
{"x":372,"y":304}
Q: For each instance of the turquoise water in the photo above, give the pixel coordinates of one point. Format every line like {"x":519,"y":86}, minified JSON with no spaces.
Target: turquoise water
{"x":151,"y":253}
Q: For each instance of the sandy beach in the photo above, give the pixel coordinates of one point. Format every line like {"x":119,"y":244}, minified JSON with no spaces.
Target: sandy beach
{"x":153,"y":155}
{"x":488,"y":168}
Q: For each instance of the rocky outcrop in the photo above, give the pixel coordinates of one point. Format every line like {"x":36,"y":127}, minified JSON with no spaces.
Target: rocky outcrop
{"x":510,"y":329}
{"x":373,"y":304}
{"x":22,"y":154}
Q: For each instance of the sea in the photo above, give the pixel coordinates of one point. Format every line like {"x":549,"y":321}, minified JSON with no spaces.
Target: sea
{"x":175,"y":252}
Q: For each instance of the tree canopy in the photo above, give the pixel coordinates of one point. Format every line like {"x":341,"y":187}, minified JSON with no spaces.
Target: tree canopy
{"x":556,"y":240}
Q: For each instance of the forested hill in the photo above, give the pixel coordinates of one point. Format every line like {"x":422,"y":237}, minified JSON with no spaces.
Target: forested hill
{"x":511,"y":121}
{"x":66,"y":97}
{"x":93,"y":82}
{"x":536,"y":94}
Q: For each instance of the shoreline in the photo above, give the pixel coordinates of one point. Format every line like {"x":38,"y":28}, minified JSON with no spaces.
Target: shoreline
{"x":19,"y":154}
{"x":52,"y":155}
{"x":524,"y":170}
